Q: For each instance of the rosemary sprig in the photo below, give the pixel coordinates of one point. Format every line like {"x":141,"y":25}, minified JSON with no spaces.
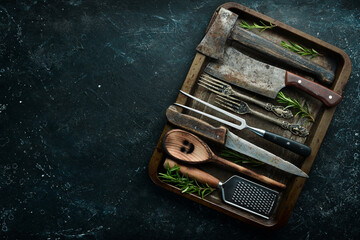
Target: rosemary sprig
{"x":263,"y":27}
{"x":183,"y":182}
{"x":239,"y":158}
{"x":303,"y":110}
{"x":299,"y":49}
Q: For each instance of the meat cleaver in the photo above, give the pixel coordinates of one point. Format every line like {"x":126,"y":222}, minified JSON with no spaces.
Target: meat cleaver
{"x":225,"y":27}
{"x":264,"y":79}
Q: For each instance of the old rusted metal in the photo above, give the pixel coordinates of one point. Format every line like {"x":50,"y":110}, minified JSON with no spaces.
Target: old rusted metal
{"x":214,"y":41}
{"x":225,"y":27}
{"x":248,"y":73}
{"x":266,"y":80}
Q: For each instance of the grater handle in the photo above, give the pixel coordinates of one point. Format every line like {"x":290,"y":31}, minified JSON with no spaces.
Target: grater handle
{"x":192,"y":172}
{"x":247,"y":172}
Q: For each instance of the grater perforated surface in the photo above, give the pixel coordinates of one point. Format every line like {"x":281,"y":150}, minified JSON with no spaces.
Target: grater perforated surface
{"x":249,"y":196}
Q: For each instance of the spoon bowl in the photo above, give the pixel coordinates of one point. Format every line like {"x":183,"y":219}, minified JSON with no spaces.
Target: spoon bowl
{"x":186,"y":147}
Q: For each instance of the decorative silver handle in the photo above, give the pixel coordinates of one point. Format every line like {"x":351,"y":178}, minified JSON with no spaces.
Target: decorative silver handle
{"x":293,"y":128}
{"x":277,"y":110}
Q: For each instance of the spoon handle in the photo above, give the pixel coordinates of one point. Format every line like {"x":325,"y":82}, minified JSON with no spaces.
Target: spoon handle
{"x":247,"y":172}
{"x":192,"y":172}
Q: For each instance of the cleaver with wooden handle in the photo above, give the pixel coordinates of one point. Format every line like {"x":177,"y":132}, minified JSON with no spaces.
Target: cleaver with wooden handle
{"x":253,"y":75}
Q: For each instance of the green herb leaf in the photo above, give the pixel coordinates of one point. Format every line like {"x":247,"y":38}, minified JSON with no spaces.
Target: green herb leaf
{"x":238,"y":157}
{"x":263,"y":27}
{"x":183,"y":182}
{"x":303,"y":110}
{"x":301,"y":50}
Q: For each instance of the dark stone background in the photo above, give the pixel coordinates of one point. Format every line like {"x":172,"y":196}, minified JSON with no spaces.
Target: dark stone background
{"x":83,"y":90}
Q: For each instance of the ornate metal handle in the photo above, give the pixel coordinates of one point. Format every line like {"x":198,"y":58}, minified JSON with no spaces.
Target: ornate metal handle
{"x":295,"y":129}
{"x":279,"y":111}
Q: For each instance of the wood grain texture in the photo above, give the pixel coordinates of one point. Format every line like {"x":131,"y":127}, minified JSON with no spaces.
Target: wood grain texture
{"x":196,"y":125}
{"x":186,"y":147}
{"x":280,"y":54}
{"x":325,"y":95}
{"x":194,"y":173}
{"x":247,"y":172}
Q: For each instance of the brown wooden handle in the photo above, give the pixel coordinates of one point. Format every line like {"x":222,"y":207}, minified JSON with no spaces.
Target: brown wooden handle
{"x":274,"y":51}
{"x":325,"y":95}
{"x":248,"y":172}
{"x":196,"y":125}
{"x":194,"y":173}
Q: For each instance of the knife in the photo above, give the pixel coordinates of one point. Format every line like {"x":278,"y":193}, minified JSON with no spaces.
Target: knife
{"x":287,"y":143}
{"x":248,"y":73}
{"x":224,"y":137}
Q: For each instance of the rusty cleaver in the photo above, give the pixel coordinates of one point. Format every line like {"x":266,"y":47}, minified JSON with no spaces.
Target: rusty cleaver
{"x":225,"y":28}
{"x":264,"y":79}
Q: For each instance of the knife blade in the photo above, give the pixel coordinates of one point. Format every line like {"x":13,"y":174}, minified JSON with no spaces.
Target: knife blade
{"x":224,"y":137}
{"x":248,"y":73}
{"x":287,"y":143}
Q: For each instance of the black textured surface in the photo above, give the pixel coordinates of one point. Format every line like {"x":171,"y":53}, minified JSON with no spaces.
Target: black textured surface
{"x":83,"y":92}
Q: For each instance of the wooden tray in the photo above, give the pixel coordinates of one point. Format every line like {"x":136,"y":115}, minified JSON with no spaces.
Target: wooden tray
{"x":332,"y":58}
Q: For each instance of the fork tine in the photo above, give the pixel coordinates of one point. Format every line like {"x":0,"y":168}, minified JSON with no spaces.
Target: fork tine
{"x":215,"y":80}
{"x":206,"y":85}
{"x":223,"y":103}
{"x":203,"y":78}
{"x":232,"y":98}
{"x":224,"y":99}
{"x":216,"y":83}
{"x":209,"y":84}
{"x":209,"y":87}
{"x":214,"y":87}
{"x":225,"y":106}
{"x":217,"y":86}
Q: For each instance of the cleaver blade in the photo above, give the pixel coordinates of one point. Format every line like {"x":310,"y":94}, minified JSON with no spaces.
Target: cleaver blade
{"x":264,"y":79}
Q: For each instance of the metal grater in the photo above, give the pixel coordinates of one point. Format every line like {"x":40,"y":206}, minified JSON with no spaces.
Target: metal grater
{"x":249,"y":196}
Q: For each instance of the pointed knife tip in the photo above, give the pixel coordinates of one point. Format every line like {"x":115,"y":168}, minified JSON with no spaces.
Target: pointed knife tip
{"x":304,"y":175}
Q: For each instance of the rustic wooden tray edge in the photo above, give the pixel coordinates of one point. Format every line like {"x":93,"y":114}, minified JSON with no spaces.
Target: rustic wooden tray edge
{"x":323,"y":121}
